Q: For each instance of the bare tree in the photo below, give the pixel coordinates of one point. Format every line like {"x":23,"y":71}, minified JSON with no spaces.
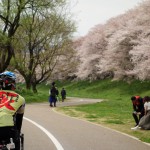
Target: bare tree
{"x":67,"y":64}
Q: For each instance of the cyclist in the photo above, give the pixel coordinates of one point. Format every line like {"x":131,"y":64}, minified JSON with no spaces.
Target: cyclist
{"x":12,"y":107}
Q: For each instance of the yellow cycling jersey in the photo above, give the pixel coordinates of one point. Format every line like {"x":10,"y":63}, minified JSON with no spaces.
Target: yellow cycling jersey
{"x":10,"y":103}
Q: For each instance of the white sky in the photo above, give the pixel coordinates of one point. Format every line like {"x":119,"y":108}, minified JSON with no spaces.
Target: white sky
{"x":89,"y":13}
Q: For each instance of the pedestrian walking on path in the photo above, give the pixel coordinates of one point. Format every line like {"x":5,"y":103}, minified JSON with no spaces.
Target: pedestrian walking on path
{"x":53,"y":93}
{"x":63,"y":94}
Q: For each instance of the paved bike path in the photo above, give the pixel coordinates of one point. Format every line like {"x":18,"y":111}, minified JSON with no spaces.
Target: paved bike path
{"x":75,"y":134}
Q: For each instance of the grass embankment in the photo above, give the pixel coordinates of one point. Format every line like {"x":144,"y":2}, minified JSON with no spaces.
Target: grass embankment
{"x":114,"y":112}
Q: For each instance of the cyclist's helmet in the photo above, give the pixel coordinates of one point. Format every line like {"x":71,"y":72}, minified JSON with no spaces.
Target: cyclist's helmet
{"x":7,"y":80}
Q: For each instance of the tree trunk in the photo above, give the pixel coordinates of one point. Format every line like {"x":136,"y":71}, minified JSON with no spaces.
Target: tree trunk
{"x":34,"y":83}
{"x":6,"y":56}
{"x":34,"y":89}
{"x":28,"y":84}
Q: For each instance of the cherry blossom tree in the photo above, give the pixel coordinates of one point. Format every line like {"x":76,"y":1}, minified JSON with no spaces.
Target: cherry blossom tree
{"x":90,"y":52}
{"x":120,"y":46}
{"x":140,"y":54}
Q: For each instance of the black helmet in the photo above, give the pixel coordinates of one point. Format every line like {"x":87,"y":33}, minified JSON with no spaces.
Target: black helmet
{"x":7,"y":80}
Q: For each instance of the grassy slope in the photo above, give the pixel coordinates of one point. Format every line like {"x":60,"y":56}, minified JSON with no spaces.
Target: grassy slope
{"x":114,"y":112}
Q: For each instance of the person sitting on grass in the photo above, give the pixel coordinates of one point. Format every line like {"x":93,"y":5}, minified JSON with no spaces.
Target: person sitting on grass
{"x":138,"y":108}
{"x":144,"y":122}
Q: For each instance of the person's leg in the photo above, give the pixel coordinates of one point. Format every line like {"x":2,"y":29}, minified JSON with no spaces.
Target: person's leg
{"x":135,"y":118}
{"x":51,"y":104}
{"x":51,"y":101}
{"x":62,"y":98}
{"x":6,"y":133}
{"x":140,"y":116}
{"x":17,"y":141}
{"x":10,"y":132}
{"x":55,"y":102}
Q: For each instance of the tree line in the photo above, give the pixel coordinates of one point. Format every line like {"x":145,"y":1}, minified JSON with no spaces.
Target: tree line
{"x":119,"y":49}
{"x":36,"y":40}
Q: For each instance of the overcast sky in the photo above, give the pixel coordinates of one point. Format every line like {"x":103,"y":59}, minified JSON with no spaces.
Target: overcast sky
{"x":89,"y":13}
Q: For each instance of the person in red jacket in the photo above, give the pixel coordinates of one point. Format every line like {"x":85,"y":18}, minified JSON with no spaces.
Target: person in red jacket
{"x":138,"y":108}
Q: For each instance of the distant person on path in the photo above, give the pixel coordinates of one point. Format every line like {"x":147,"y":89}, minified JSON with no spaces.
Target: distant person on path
{"x":144,"y":122}
{"x":63,"y":94}
{"x":53,"y":93}
{"x":138,"y":107}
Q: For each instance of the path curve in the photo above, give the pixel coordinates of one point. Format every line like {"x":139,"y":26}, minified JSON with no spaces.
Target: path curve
{"x":72,"y":134}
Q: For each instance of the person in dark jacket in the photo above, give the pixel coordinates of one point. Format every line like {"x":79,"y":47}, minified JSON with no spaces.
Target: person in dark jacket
{"x":53,"y":93}
{"x":63,"y":94}
{"x":138,"y":108}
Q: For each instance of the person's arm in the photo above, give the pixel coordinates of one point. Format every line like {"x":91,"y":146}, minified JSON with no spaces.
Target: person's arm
{"x":19,"y":118}
{"x":145,"y":108}
{"x":134,"y":107}
{"x":142,"y":106}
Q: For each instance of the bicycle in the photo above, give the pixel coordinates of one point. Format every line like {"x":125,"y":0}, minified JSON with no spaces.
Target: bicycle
{"x":10,"y":146}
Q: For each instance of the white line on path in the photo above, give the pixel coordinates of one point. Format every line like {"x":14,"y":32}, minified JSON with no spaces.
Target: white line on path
{"x":53,"y":139}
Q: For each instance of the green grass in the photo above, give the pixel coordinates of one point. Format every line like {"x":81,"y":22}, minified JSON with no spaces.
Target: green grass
{"x":115,"y":111}
{"x":41,"y":96}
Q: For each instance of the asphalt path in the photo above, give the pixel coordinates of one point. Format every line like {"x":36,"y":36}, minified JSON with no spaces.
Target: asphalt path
{"x":46,"y":129}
